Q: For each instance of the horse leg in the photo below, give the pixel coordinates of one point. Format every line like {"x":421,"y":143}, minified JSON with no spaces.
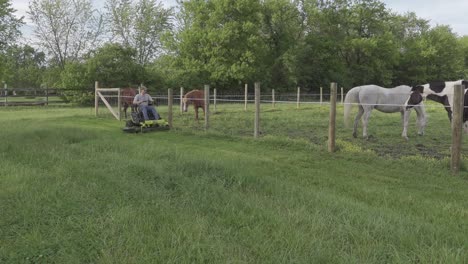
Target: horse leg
{"x":196,"y":113}
{"x":356,"y":120}
{"x":125,"y":107}
{"x":365,"y":121}
{"x":421,"y":121}
{"x":405,"y":114}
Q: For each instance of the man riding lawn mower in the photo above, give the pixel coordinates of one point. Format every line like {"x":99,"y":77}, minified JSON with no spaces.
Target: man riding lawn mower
{"x":144,"y":117}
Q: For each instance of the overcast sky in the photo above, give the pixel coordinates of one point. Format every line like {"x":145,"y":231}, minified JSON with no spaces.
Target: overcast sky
{"x":438,"y":12}
{"x":446,"y":12}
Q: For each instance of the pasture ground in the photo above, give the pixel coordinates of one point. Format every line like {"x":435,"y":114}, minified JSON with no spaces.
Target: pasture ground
{"x":75,"y":189}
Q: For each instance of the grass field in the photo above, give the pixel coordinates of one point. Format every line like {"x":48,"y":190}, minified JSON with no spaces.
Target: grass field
{"x":75,"y":189}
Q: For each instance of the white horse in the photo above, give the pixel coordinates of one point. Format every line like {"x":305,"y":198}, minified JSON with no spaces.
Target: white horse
{"x":387,"y":100}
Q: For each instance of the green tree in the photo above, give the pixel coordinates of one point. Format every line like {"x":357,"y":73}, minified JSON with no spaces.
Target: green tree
{"x":77,"y":83}
{"x":430,"y":54}
{"x":139,"y":26}
{"x":9,"y":31}
{"x":369,"y":50}
{"x":75,"y":77}
{"x":111,"y":65}
{"x":162,"y":73}
{"x":115,"y":66}
{"x":443,"y":54}
{"x":464,"y":46}
{"x":283,"y":33}
{"x":25,"y":66}
{"x":408,"y":30}
{"x":350,"y":41}
{"x":319,"y":59}
{"x":219,"y":41}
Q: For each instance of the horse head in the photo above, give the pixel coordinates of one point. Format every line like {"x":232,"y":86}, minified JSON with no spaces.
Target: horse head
{"x":185,"y":103}
{"x":465,"y":83}
{"x":415,"y":97}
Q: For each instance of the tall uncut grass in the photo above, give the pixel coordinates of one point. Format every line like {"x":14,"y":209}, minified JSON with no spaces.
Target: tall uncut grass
{"x":75,"y":189}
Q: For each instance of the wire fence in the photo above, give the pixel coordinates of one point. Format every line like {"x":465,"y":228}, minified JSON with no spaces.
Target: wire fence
{"x":302,"y":116}
{"x":287,"y":98}
{"x":59,"y":96}
{"x":306,"y":117}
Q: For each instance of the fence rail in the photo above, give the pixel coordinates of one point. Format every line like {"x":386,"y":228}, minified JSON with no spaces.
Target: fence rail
{"x":35,"y":96}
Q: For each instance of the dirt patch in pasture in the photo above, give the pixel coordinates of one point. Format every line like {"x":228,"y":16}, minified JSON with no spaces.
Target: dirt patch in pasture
{"x":310,"y":135}
{"x":400,"y":150}
{"x":430,"y":152}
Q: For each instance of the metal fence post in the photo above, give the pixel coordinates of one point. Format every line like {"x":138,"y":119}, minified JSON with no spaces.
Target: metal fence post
{"x":257,"y":110}
{"x":273,"y":98}
{"x":207,"y":106}
{"x":47,"y":94}
{"x":119,"y":104}
{"x":6,"y":93}
{"x":321,"y":95}
{"x":332,"y":124}
{"x":96,"y":98}
{"x":245,"y":97}
{"x":298,"y":96}
{"x":181,"y":99}
{"x":214,"y":100}
{"x":170,"y":99}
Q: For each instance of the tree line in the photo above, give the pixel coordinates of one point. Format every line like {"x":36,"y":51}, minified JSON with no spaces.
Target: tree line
{"x":225,"y":43}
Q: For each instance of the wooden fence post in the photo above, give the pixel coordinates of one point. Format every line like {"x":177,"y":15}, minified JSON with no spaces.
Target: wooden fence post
{"x":245,"y":97}
{"x":457,"y":122}
{"x":181,"y":98}
{"x":257,"y":110}
{"x":170,"y":98}
{"x":96,"y":99}
{"x":207,"y":106}
{"x":332,"y":124}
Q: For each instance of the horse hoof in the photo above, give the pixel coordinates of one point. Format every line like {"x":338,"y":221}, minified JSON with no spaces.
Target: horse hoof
{"x":354,"y":135}
{"x":406,"y":138}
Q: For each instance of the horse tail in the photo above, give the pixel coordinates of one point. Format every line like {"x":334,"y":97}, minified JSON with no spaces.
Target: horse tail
{"x":352,"y":97}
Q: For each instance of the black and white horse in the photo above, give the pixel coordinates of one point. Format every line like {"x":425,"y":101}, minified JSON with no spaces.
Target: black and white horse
{"x":387,"y":100}
{"x":442,"y":92}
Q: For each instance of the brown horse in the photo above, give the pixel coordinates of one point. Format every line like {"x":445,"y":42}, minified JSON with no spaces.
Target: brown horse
{"x":127,"y":95}
{"x":197,"y":97}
